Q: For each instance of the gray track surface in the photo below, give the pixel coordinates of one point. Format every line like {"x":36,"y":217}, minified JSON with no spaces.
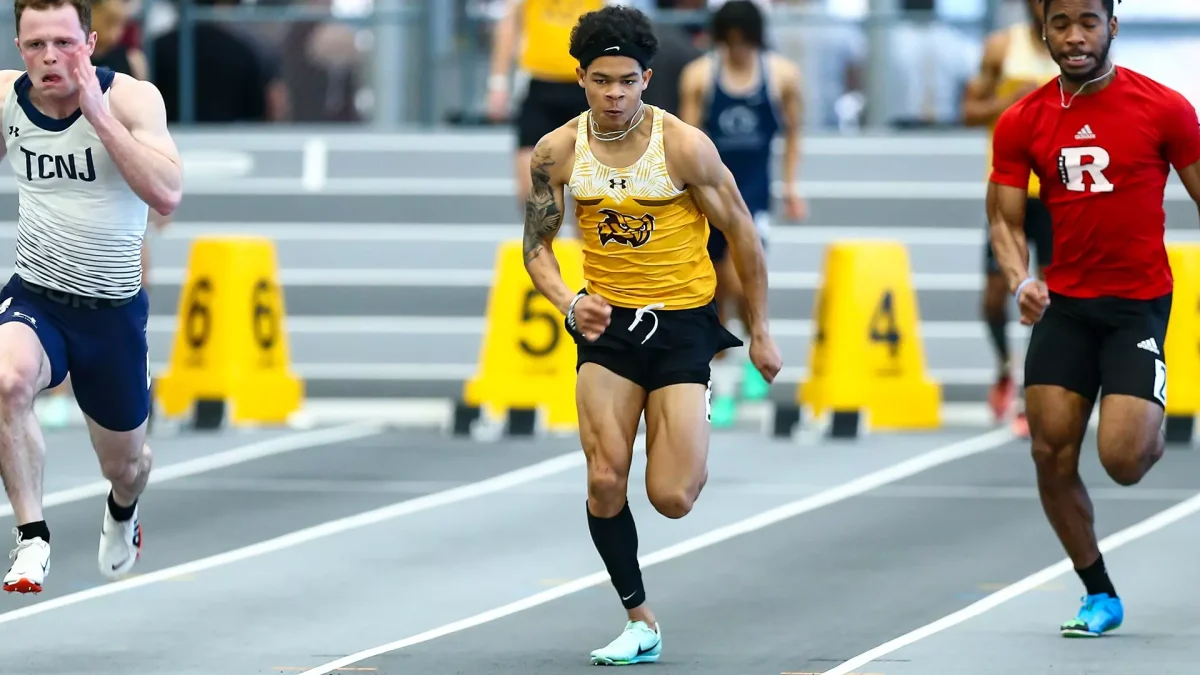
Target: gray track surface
{"x":1156,"y":579}
{"x":798,"y":596}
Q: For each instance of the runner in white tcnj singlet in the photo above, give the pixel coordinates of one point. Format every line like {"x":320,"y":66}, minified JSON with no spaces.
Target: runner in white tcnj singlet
{"x":91,"y":154}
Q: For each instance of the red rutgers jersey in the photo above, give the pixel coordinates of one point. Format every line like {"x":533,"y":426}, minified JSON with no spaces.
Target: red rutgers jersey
{"x":1103,"y":165}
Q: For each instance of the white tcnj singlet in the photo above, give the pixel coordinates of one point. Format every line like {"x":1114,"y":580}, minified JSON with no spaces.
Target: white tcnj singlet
{"x":79,"y":225}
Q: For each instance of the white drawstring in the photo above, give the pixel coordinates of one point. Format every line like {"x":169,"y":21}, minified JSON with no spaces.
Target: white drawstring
{"x":637,"y":318}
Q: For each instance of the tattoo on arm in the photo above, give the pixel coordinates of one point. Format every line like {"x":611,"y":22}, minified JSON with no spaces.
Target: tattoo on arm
{"x":543,"y":216}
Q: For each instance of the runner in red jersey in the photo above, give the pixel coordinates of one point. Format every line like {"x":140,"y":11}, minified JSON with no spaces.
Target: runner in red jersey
{"x":1102,"y":141}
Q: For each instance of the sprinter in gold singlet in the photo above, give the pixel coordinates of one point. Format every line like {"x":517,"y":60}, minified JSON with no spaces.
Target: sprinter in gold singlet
{"x":539,"y":33}
{"x":647,"y":187}
{"x":1015,"y":62}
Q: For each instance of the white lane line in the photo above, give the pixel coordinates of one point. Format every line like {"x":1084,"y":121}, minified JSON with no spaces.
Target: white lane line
{"x":964,"y":448}
{"x":1130,"y":534}
{"x":220,"y":460}
{"x":315,"y":164}
{"x":505,"y":481}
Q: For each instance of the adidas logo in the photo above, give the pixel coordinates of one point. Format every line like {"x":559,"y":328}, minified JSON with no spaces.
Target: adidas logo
{"x":1149,"y":345}
{"x":1085,"y":134}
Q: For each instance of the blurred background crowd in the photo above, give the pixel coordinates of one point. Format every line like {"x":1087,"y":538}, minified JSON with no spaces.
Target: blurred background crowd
{"x":389,"y":63}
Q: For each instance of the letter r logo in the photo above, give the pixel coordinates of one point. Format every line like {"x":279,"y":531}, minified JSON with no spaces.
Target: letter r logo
{"x":1073,"y":163}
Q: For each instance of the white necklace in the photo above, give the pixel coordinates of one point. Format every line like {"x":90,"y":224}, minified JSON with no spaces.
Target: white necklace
{"x":1062,"y":94}
{"x":610,"y":136}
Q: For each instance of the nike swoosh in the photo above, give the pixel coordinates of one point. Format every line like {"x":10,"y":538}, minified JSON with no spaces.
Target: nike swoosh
{"x":629,"y":596}
{"x":123,"y":561}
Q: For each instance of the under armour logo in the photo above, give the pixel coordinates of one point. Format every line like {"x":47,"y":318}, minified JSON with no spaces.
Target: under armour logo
{"x":614,"y":183}
{"x":13,"y":131}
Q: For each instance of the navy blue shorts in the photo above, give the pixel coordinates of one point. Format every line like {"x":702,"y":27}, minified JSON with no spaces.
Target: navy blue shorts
{"x":102,"y":343}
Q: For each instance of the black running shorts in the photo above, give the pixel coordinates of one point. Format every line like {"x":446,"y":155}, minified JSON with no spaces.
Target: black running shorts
{"x":661,"y":349}
{"x":547,"y":106}
{"x":1038,"y":231}
{"x":1095,"y":346}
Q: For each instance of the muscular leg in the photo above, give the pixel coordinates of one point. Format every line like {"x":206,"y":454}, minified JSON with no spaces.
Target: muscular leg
{"x":125,"y":462}
{"x":24,"y":371}
{"x":110,"y":363}
{"x":1065,"y":371}
{"x":676,"y":447}
{"x":1057,"y":422}
{"x":1131,"y":437}
{"x":610,"y":408}
{"x":1134,"y":380}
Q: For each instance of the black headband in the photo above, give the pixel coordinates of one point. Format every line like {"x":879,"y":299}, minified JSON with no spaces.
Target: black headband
{"x":618,"y":49}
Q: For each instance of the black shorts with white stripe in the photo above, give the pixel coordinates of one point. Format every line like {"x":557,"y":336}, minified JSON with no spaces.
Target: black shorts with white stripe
{"x":1101,"y":345}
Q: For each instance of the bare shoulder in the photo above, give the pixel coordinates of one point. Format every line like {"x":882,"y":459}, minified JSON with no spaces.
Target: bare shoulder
{"x":128,"y":88}
{"x":134,"y":99}
{"x":679,"y":137}
{"x":690,"y":153}
{"x":554,"y":153}
{"x":7,"y":79}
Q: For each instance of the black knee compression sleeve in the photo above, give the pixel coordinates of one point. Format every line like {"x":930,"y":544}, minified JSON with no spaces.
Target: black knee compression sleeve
{"x":616,"y":541}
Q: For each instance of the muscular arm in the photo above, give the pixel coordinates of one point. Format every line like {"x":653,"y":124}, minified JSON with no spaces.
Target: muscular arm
{"x":1006,"y":218}
{"x":981,"y":107}
{"x":716,"y":194}
{"x":1008,"y":192}
{"x":543,"y":217}
{"x":135,"y":134}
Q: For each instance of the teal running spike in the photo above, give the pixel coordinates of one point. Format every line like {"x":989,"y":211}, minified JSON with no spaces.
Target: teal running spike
{"x":1100,"y":614}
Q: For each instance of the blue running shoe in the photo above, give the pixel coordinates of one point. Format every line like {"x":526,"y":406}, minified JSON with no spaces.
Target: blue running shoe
{"x":1099,"y":615}
{"x":638,"y":643}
